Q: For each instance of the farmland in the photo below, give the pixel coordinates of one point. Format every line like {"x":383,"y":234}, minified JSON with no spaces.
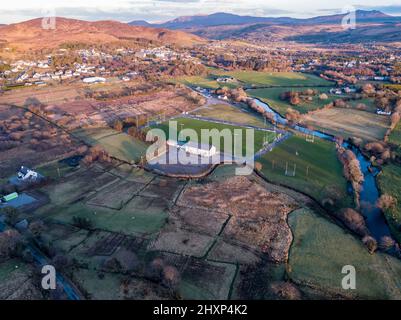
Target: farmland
{"x":229,"y":113}
{"x":317,"y":169}
{"x":390,"y":183}
{"x":348,"y":123}
{"x":260,"y":79}
{"x":254,"y":79}
{"x":272,"y":97}
{"x":395,"y":136}
{"x":118,"y":144}
{"x":321,"y":249}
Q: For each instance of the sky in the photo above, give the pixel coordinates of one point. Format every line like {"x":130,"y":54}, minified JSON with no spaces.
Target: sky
{"x":163,"y":10}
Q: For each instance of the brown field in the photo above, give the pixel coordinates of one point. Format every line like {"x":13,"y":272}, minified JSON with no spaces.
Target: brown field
{"x":66,"y":104}
{"x":203,"y":221}
{"x":258,"y":216}
{"x":28,"y":140}
{"x":349,"y":123}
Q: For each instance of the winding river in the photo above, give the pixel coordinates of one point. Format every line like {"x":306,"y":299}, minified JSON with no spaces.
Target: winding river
{"x":374,"y":217}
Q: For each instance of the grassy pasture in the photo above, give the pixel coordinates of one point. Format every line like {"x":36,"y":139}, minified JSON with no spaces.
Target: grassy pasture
{"x":232,"y":114}
{"x":320,"y":250}
{"x":272,"y":97}
{"x":126,"y":220}
{"x":276,"y":78}
{"x":390,"y":183}
{"x":395,"y":136}
{"x":318,"y":171}
{"x":254,"y":78}
{"x":118,"y":144}
{"x":349,"y":123}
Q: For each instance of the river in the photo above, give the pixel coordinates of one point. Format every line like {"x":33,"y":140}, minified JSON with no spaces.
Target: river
{"x":375,"y":220}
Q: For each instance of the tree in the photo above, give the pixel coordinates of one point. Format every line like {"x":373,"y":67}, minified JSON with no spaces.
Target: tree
{"x":171,"y":277}
{"x":293,"y":116}
{"x":118,"y":125}
{"x":386,"y":202}
{"x":370,"y":243}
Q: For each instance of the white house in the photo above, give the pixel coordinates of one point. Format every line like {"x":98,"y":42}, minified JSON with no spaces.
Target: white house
{"x":94,"y":80}
{"x":27,"y":174}
{"x":383,"y":113}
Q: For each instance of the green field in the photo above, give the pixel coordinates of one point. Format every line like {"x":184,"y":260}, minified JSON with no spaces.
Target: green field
{"x":318,"y":171}
{"x":10,"y":266}
{"x":395,"y":136}
{"x":129,"y":220}
{"x":276,"y":78}
{"x":198,"y":125}
{"x":272,"y":97}
{"x":390,"y":183}
{"x":232,"y":114}
{"x":321,"y":249}
{"x":254,"y":78}
{"x":208,"y":82}
{"x":54,"y":170}
{"x":117,"y":144}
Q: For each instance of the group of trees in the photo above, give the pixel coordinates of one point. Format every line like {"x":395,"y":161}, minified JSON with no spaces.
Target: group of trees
{"x":266,"y":63}
{"x":352,"y":170}
{"x":96,"y":153}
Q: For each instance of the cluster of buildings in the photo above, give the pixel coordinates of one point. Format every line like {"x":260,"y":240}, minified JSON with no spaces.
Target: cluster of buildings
{"x":161,"y":53}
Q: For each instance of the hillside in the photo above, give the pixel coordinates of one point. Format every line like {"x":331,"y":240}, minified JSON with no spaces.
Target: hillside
{"x":30,"y":34}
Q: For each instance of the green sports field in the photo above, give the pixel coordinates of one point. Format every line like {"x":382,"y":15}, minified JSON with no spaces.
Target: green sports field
{"x":318,"y":172}
{"x":198,"y":125}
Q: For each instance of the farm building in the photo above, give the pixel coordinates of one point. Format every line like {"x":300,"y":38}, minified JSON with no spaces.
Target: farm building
{"x":94,"y":80}
{"x":27,"y":174}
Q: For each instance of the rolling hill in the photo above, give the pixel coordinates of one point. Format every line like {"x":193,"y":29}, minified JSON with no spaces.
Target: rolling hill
{"x":30,"y":34}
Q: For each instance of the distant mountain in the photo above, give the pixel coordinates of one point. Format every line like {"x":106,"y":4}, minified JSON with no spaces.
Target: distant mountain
{"x":140,"y":23}
{"x":215,"y":19}
{"x":225,"y":19}
{"x":226,"y":26}
{"x":30,"y":34}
